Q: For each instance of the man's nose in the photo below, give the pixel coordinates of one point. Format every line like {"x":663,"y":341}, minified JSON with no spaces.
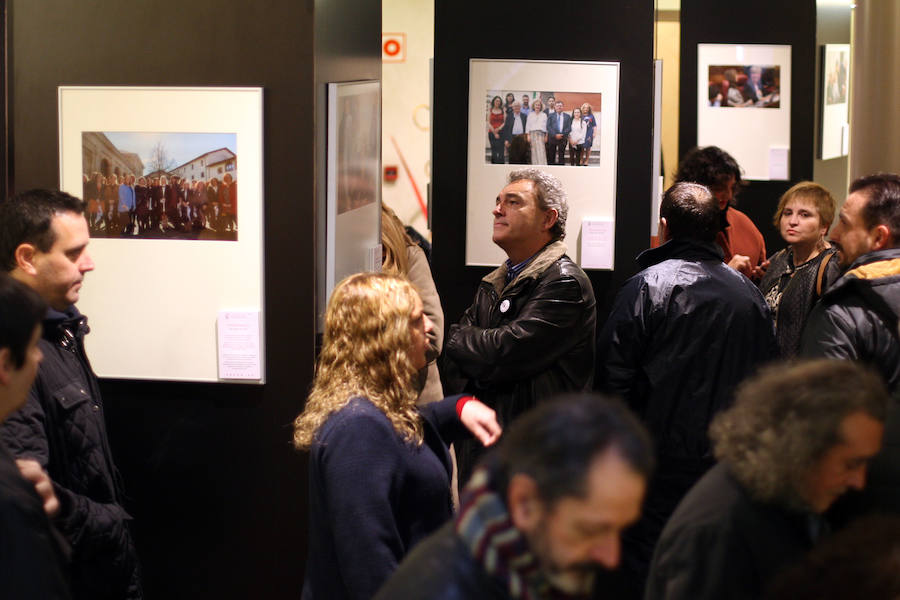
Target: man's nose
{"x":607,"y":553}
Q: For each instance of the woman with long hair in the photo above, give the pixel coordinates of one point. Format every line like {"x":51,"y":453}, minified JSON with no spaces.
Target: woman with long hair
{"x":576,"y":138}
{"x":379,"y":469}
{"x":590,"y":124}
{"x":495,"y":120}
{"x":536,"y":130}
{"x":798,"y":274}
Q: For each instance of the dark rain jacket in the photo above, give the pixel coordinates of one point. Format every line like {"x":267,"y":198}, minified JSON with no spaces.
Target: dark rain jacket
{"x":857,"y":319}
{"x":683,"y":333}
{"x":62,"y":426}
{"x":523,"y":342}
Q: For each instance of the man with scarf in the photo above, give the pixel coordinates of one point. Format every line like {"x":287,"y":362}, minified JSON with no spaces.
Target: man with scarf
{"x":542,"y":517}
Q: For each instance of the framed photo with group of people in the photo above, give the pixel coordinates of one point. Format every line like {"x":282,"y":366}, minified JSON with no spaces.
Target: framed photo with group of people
{"x":158,"y":168}
{"x":557,"y":115}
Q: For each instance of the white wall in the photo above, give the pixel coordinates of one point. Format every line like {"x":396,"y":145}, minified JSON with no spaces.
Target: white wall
{"x":405,"y":102}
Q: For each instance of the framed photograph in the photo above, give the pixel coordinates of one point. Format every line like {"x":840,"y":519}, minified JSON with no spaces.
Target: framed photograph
{"x":834,"y":128}
{"x":744,"y":105}
{"x":556,"y":115}
{"x":353,"y":212}
{"x":160,"y":169}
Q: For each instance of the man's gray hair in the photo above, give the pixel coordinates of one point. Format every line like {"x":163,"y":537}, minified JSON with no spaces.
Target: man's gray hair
{"x":549,"y":193}
{"x":785,"y":420}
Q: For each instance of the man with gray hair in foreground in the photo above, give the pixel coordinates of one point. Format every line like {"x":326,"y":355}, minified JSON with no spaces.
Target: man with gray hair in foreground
{"x":797,"y":438}
{"x":529,"y":334}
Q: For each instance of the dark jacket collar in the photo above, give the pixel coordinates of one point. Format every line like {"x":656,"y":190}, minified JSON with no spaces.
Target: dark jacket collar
{"x":870,"y":267}
{"x":686,"y":249}
{"x":56,"y":323}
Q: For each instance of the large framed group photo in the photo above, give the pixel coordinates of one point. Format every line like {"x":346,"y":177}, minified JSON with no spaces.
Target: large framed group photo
{"x":160,"y":169}
{"x":560,"y":116}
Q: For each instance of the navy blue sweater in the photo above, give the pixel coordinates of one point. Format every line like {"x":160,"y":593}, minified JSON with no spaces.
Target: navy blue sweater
{"x":372,"y":496}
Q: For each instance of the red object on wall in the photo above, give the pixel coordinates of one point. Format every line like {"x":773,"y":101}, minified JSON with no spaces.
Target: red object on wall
{"x":390,"y":173}
{"x":393,"y":47}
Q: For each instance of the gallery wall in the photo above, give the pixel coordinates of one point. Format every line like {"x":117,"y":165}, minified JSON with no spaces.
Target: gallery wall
{"x":217,"y":492}
{"x":592,"y":31}
{"x":760,"y":22}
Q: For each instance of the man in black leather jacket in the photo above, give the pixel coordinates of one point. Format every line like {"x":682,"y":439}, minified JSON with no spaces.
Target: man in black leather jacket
{"x":857,"y":317}
{"x":43,"y":243}
{"x":530,"y":332}
{"x":541,"y":518}
{"x":683,"y":333}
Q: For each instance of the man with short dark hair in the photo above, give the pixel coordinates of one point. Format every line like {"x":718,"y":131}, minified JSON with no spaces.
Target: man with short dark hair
{"x":741,"y":242}
{"x":43,"y":243}
{"x":797,"y":438}
{"x":857,"y":316}
{"x":541,"y":516}
{"x":529,"y":333}
{"x":32,"y":562}
{"x":682,"y":334}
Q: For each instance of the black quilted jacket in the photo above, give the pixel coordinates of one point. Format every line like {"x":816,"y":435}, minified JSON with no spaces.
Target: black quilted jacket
{"x":62,"y":426}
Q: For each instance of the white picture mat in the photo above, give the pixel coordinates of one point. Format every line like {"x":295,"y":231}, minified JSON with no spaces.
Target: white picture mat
{"x":745,"y":133}
{"x":152,"y":304}
{"x":352,"y":236}
{"x":834,"y":116}
{"x":591,"y":190}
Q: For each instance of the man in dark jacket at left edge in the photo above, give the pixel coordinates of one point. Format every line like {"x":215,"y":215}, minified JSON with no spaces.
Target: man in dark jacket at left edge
{"x":529,"y":334}
{"x":43,"y":243}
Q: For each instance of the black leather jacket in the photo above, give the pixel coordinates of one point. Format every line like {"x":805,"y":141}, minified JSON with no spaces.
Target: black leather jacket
{"x":854,"y":317}
{"x":62,"y":426}
{"x":524,"y":342}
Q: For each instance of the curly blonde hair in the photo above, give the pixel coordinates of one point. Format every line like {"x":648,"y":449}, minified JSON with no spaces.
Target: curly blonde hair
{"x":366,"y":353}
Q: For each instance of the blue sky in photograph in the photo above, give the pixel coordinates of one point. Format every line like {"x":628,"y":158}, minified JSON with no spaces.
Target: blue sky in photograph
{"x":181,"y":147}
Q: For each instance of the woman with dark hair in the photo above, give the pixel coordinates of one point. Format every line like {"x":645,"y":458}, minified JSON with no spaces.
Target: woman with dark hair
{"x":142,"y":205}
{"x":379,"y":468}
{"x":111,"y":205}
{"x":510,"y":98}
{"x":798,"y":274}
{"x":495,"y":120}
{"x":576,"y":138}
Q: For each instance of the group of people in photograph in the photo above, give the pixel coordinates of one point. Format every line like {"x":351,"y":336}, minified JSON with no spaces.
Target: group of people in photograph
{"x":530,"y":132}
{"x":160,"y":206}
{"x":740,"y":87}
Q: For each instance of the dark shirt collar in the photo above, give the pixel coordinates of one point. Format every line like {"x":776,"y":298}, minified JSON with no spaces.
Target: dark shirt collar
{"x":687,"y":249}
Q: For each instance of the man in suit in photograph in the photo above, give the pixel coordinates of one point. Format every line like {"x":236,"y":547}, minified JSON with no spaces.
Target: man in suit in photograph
{"x":514,"y":125}
{"x":559,"y":125}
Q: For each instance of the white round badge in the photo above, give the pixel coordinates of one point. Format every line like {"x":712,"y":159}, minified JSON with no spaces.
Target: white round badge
{"x":504,"y":306}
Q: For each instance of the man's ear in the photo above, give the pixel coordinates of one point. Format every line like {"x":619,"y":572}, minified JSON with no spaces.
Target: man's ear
{"x":524,"y":503}
{"x":550,"y":218}
{"x":24,"y":255}
{"x":662,"y":231}
{"x":6,"y":366}
{"x":882,"y":238}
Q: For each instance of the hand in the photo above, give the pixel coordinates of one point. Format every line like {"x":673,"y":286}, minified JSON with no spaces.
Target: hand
{"x":758,"y":271}
{"x":481,"y":420}
{"x":559,"y":136}
{"x":33,"y":472}
{"x":741,"y":263}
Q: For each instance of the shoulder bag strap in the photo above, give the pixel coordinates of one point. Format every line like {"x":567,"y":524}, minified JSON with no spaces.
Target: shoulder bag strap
{"x":821,"y":273}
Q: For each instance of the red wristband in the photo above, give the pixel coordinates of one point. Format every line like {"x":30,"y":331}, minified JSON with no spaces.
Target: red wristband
{"x":462,"y":402}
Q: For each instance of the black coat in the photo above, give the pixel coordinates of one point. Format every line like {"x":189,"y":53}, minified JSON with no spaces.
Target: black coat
{"x":683,"y":333}
{"x":857,"y":319}
{"x":442,"y":568}
{"x":720,"y":543}
{"x":32,"y":562}
{"x":62,"y":426}
{"x":522,"y":343}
